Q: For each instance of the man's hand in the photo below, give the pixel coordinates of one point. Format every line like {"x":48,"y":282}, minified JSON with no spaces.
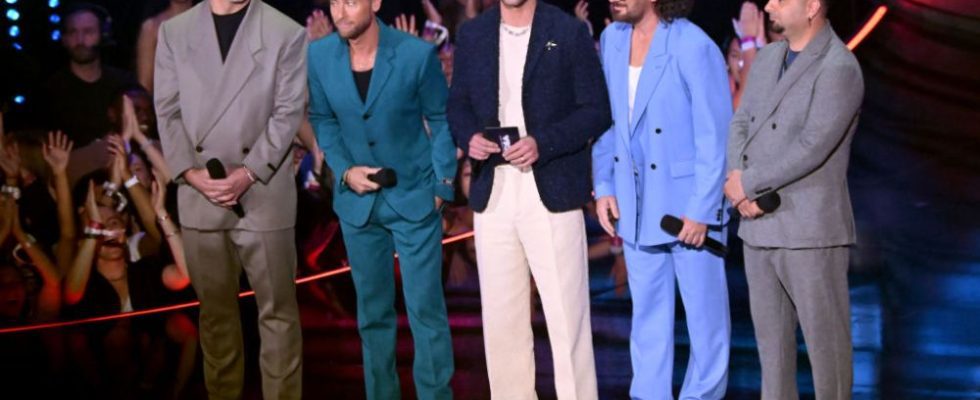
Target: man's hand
{"x":222,"y":192}
{"x":357,"y":179}
{"x":481,"y":148}
{"x":523,"y":153}
{"x":733,"y":187}
{"x":606,"y":206}
{"x":693,"y":232}
{"x":439,"y":202}
{"x":750,"y":209}
{"x":317,"y":26}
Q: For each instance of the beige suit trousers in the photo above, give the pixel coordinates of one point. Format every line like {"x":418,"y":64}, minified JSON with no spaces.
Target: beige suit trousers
{"x":517,"y":238}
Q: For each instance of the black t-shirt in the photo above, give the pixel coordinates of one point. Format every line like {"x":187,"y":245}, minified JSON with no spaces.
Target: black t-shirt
{"x":79,"y":108}
{"x":363,"y":80}
{"x":226,"y":27}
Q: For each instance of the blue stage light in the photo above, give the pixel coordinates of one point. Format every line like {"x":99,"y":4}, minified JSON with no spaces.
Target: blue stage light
{"x":13,"y":14}
{"x":56,"y":35}
{"x":11,"y":1}
{"x":19,"y":99}
{"x":54,"y":18}
{"x":18,"y":47}
{"x":51,"y":3}
{"x":14,"y":31}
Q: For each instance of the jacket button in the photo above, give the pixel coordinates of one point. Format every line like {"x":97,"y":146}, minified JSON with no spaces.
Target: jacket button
{"x":657,"y":131}
{"x":752,"y":119}
{"x":653,"y":166}
{"x":745,"y":157}
{"x":773,"y":125}
{"x":245,"y":150}
{"x":199,"y":149}
{"x":371,"y":143}
{"x":366,"y":116}
{"x":616,"y":159}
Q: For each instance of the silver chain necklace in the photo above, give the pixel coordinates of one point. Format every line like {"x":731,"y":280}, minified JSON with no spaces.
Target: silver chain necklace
{"x":515,"y":33}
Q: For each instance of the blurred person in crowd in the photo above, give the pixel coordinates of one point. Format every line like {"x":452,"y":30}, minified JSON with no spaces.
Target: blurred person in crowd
{"x":750,"y":36}
{"x":76,"y":98}
{"x":146,"y":42}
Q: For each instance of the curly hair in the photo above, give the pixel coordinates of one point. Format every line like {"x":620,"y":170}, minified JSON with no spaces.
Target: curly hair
{"x":669,"y":10}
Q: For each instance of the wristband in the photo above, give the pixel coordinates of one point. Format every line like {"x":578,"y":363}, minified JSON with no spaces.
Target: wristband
{"x":747,"y":43}
{"x":132,"y":181}
{"x":12,"y":191}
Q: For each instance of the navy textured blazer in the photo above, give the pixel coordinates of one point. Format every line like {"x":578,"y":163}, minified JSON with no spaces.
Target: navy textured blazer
{"x":566,"y":105}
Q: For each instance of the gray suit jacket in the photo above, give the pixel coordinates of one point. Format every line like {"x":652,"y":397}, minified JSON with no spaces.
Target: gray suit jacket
{"x":793,"y":135}
{"x":245,"y":111}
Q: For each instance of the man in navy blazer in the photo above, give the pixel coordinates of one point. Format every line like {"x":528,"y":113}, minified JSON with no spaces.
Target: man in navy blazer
{"x":665,"y":155}
{"x":527,"y":65}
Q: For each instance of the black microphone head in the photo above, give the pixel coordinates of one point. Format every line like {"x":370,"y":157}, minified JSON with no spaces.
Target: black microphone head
{"x":671,"y":224}
{"x":386,"y":177}
{"x":769,"y":202}
{"x":215,"y":169}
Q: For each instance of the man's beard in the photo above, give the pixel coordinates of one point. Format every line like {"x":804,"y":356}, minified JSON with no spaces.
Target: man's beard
{"x":83,"y":55}
{"x":777,"y":28}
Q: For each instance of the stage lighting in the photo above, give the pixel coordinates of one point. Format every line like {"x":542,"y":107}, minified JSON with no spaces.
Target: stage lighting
{"x":13,"y":15}
{"x":14,"y":31}
{"x":54,"y":18}
{"x":11,"y":1}
{"x":56,"y":35}
{"x":51,"y":3}
{"x":19,"y":99}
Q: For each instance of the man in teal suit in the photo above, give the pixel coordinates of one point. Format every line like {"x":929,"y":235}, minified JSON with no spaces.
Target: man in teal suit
{"x":371,"y":87}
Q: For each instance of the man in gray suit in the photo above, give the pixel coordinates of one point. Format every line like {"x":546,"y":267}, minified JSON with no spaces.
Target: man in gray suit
{"x":792,"y":135}
{"x":230,"y":85}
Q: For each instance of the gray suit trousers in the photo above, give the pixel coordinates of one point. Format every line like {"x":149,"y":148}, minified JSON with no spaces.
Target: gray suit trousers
{"x":809,"y":287}
{"x":215,"y":260}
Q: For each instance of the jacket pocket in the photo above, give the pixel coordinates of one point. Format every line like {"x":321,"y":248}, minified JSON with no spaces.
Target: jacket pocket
{"x":680,"y":169}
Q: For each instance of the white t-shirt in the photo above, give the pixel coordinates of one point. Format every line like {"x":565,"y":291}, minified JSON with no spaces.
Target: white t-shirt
{"x":513,"y":55}
{"x":634,"y":82}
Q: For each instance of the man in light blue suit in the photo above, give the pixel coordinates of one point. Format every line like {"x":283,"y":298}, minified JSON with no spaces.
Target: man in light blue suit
{"x":665,"y":155}
{"x":371,"y":89}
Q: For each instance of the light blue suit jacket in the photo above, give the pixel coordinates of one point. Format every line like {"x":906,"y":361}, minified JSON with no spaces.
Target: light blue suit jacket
{"x":669,"y":158}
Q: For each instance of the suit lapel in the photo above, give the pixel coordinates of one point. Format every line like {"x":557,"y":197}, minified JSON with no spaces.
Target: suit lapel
{"x":653,"y":69}
{"x":540,"y":42}
{"x":383,"y":65}
{"x":804,"y":61}
{"x":619,"y":60}
{"x":232,"y":75}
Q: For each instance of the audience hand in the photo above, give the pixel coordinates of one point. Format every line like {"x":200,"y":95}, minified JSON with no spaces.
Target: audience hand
{"x":317,"y":26}
{"x":406,"y":24}
{"x":57,"y":151}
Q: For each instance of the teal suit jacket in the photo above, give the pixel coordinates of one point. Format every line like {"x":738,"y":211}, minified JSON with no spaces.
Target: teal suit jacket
{"x":386,"y":130}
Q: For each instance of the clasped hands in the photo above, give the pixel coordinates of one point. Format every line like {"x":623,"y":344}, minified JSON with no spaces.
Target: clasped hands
{"x":357,"y":179}
{"x":736,"y":194}
{"x":521,"y":154}
{"x":222,"y":192}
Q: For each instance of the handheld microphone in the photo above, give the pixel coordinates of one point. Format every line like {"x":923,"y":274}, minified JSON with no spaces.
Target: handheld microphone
{"x":769,"y":202}
{"x":673,"y":226}
{"x":217,"y":171}
{"x":386,"y":177}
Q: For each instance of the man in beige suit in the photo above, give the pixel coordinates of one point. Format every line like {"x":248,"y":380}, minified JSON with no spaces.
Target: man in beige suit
{"x":231,"y":85}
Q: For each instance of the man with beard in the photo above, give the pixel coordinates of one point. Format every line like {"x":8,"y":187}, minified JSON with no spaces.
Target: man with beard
{"x":76,"y":99}
{"x":230,"y":86}
{"x":792,"y":136}
{"x":665,"y":155}
{"x":371,"y":88}
{"x":529,"y":70}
